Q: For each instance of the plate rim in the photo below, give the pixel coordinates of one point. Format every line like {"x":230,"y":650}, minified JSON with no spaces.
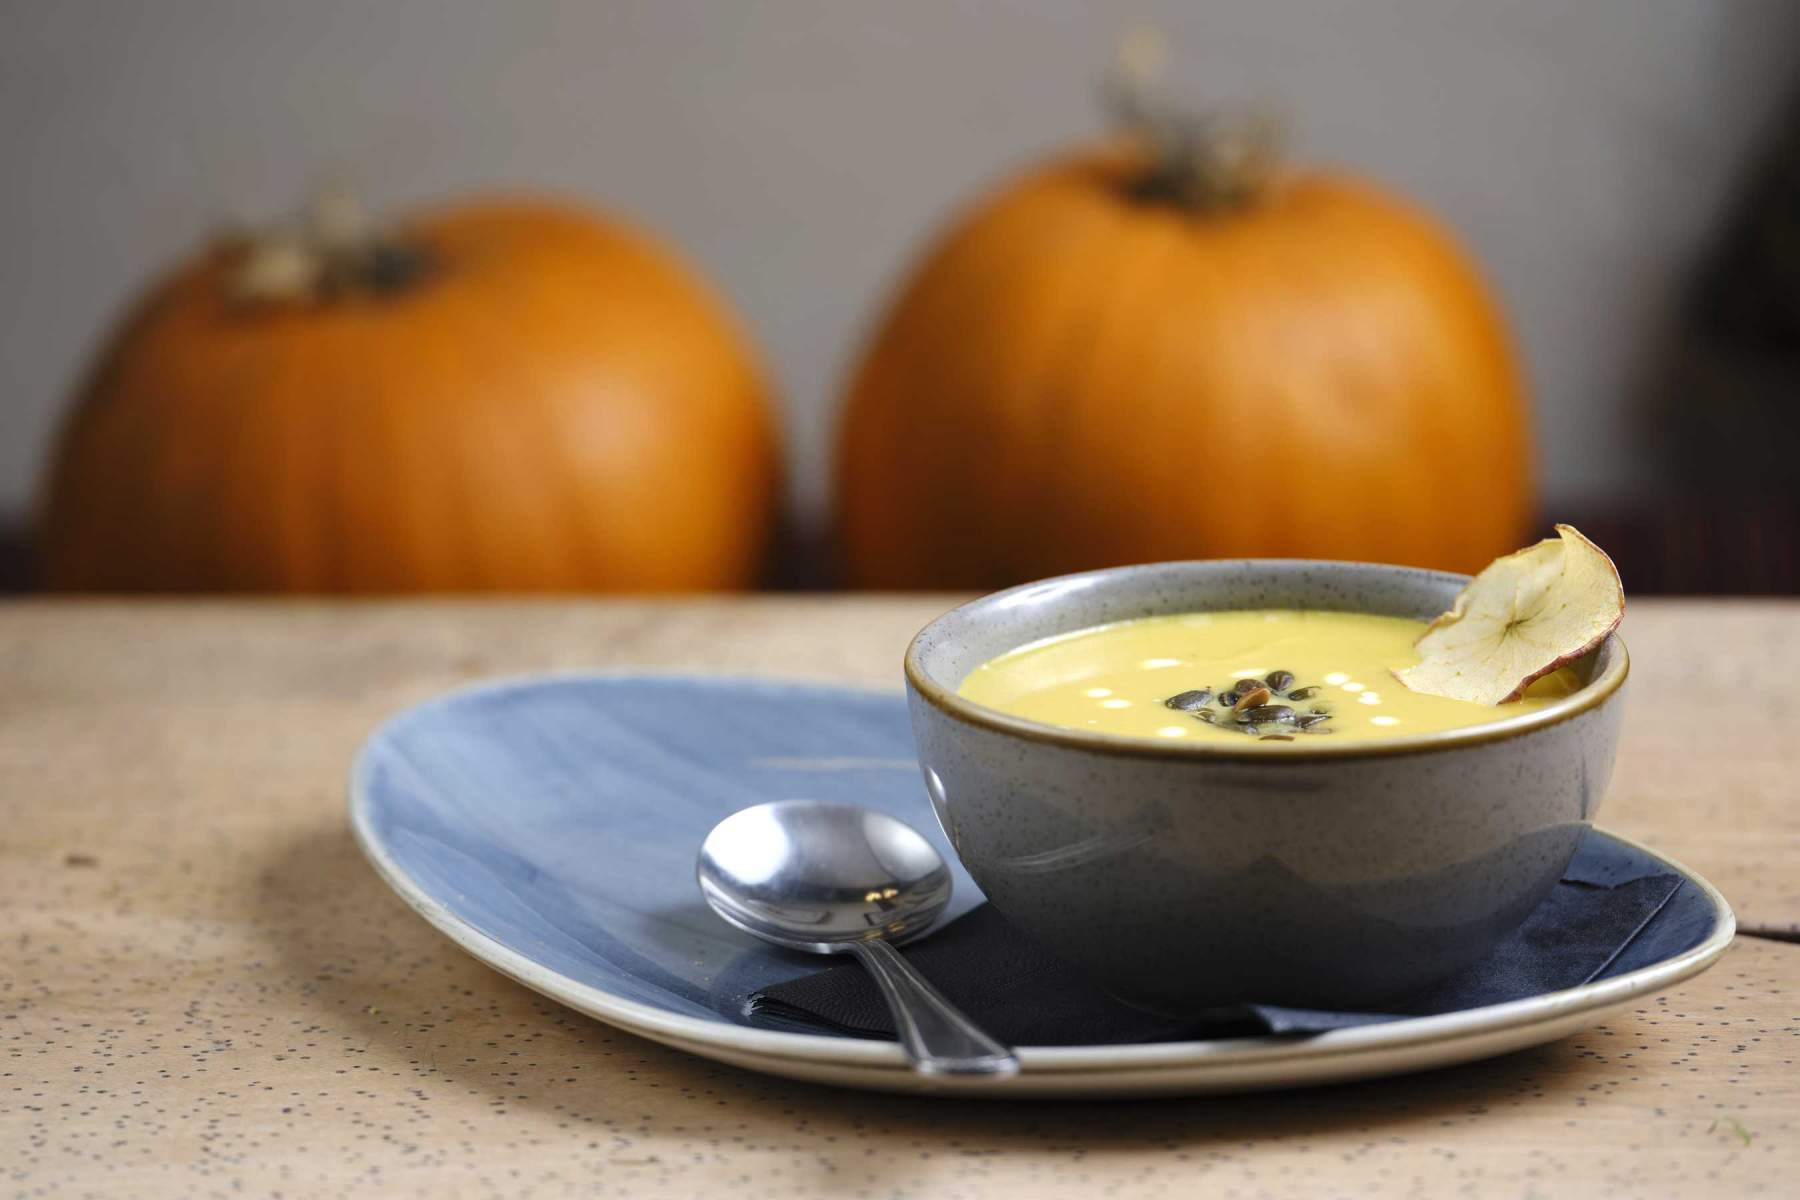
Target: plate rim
{"x":1145,"y":1057}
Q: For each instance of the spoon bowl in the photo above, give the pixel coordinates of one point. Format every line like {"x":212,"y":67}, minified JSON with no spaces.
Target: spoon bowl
{"x":816,"y":876}
{"x":836,"y":878}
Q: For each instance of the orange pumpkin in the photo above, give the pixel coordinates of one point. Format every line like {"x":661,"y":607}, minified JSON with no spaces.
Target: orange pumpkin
{"x":1115,"y":360}
{"x":509,"y":395}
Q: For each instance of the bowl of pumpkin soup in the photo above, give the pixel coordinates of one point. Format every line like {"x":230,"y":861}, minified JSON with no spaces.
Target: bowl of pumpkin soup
{"x":1208,"y":783}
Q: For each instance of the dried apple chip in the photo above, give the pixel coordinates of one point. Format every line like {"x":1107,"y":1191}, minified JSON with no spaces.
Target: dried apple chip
{"x":1524,"y":616}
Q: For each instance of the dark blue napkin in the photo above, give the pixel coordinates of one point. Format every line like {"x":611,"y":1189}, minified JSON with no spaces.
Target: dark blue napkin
{"x":1610,"y":913}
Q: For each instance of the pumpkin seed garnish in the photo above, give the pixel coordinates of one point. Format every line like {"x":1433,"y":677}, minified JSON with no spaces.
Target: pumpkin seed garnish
{"x":1255,"y":697}
{"x":1249,"y":704}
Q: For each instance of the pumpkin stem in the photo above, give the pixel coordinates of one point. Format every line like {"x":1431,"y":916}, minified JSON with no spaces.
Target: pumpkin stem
{"x":333,"y":251}
{"x":1203,"y":162}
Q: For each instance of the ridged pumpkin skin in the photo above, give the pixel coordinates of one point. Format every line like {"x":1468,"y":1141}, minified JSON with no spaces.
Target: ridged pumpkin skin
{"x":561,"y":406}
{"x":1080,"y":378}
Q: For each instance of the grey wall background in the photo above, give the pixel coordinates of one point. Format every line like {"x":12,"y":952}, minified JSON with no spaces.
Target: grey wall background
{"x":799,"y":152}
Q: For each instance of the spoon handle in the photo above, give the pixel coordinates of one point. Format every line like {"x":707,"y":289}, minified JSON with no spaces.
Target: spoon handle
{"x":938,"y":1039}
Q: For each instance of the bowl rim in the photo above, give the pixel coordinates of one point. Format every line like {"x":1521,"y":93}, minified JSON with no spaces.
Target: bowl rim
{"x":1592,"y":695}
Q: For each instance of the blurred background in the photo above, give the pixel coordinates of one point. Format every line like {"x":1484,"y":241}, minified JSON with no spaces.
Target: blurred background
{"x":1625,"y":176}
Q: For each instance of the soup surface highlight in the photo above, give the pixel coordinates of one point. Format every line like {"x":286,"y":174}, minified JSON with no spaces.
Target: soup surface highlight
{"x":1274,"y":676}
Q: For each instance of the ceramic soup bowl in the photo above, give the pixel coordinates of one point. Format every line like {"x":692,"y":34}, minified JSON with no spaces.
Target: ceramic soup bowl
{"x":1185,"y":875}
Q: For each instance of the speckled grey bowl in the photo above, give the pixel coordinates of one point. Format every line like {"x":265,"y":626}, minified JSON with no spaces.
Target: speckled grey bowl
{"x":1184,"y":875}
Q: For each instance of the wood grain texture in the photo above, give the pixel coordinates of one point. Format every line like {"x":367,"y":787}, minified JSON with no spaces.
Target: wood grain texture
{"x":205,"y":991}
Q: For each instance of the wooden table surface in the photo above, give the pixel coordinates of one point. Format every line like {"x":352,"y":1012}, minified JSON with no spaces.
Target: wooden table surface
{"x":204,"y":991}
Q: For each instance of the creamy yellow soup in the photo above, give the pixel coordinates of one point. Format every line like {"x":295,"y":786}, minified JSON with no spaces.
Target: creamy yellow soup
{"x":1277,"y":676}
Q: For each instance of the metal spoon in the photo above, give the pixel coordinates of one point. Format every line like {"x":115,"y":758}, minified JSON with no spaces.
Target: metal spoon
{"x":834,"y":879}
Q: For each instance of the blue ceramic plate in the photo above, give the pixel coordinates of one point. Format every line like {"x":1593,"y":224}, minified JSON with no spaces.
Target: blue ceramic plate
{"x":548,"y":825}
